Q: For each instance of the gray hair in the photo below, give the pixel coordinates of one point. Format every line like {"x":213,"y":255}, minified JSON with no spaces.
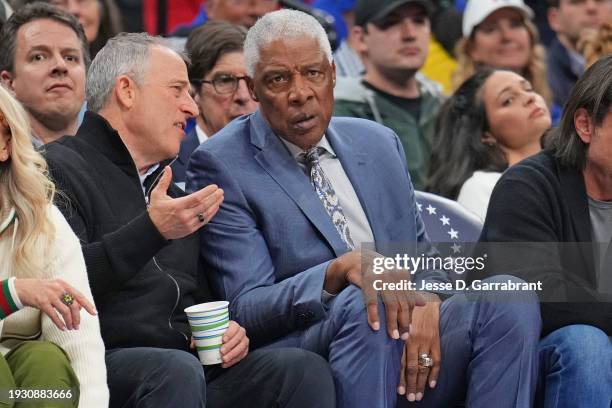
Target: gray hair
{"x":124,"y":54}
{"x":282,"y":24}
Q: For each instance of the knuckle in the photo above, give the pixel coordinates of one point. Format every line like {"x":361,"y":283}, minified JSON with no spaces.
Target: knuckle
{"x":412,"y":369}
{"x":183,"y":218}
{"x":392,"y":306}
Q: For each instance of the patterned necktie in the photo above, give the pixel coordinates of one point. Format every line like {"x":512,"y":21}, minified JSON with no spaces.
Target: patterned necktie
{"x":327,"y":195}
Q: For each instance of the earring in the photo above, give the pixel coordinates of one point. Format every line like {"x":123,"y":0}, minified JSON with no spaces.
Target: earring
{"x":4,"y":153}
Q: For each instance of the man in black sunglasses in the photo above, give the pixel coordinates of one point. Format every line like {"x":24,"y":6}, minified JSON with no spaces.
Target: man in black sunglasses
{"x":218,"y":78}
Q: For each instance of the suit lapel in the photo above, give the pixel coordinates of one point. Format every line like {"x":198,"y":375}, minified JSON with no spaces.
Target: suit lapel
{"x":361,"y":173}
{"x":276,"y":160}
{"x":574,"y":191}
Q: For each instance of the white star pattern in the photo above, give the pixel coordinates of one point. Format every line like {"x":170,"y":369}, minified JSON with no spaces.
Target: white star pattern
{"x":445,"y":220}
{"x":456,"y":248}
{"x":431,"y":210}
{"x":420,"y":207}
{"x":453,"y":234}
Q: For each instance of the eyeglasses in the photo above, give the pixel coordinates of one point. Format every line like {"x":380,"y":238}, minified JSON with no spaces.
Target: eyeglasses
{"x":225,"y":84}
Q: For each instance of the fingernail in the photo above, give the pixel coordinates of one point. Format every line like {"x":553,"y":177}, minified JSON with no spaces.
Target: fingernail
{"x":405,"y":336}
{"x":76,"y":327}
{"x":411,"y":397}
{"x":401,"y":390}
{"x":395,"y":334}
{"x":376,"y":326}
{"x":222,"y":350}
{"x":419,"y":396}
{"x":432,"y":384}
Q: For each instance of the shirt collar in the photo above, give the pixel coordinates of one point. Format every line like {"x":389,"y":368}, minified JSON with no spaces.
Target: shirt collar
{"x":202,"y":136}
{"x":297,"y":151}
{"x":36,"y":142}
{"x":576,"y":62}
{"x":146,"y":174}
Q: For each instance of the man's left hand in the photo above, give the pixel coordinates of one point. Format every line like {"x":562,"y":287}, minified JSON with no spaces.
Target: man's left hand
{"x":235,"y":345}
{"x":424,"y":338}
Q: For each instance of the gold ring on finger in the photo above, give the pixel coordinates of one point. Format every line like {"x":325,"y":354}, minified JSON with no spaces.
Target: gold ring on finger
{"x":67,"y":299}
{"x":425,"y":361}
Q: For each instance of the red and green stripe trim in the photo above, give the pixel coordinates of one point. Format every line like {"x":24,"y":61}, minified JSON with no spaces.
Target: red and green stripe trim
{"x":7,"y":305}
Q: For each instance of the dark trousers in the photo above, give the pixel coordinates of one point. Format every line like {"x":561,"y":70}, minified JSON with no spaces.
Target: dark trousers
{"x":151,"y":377}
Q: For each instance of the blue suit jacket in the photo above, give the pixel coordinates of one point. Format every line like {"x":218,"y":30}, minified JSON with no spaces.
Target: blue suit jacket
{"x":267,"y":249}
{"x":188,"y":145}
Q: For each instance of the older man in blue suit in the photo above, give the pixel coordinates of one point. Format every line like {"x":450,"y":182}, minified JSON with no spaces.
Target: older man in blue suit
{"x":303,"y":191}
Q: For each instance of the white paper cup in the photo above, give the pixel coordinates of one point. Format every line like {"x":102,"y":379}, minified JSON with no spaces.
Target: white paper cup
{"x":206,"y":309}
{"x":208,"y":322}
{"x":200,"y":320}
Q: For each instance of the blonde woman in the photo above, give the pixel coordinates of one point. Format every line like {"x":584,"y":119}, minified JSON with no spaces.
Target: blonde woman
{"x":49,"y":345}
{"x":500,"y":34}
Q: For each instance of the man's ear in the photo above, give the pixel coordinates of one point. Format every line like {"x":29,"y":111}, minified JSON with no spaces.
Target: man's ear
{"x":251,"y":86}
{"x":359,"y":34}
{"x":7,"y":80}
{"x":125,"y":91}
{"x":333,"y":66}
{"x":583,"y":125}
{"x":553,"y":19}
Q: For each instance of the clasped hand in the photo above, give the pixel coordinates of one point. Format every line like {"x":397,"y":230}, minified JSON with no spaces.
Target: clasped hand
{"x":399,"y":304}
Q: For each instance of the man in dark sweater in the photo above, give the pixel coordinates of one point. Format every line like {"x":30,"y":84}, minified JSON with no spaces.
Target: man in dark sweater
{"x":137,"y":233}
{"x":556,"y":210}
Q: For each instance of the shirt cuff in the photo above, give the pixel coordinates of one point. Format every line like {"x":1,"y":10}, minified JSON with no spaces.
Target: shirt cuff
{"x":14,"y":295}
{"x":326,"y":296}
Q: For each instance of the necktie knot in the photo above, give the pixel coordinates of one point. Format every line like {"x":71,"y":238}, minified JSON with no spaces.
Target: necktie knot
{"x":312,"y":155}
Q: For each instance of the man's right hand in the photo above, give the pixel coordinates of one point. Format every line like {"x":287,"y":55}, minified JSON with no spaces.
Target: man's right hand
{"x":347,"y":269}
{"x":176,"y":218}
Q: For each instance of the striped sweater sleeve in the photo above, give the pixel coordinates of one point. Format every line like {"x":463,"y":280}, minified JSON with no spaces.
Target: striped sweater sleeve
{"x":9,"y":300}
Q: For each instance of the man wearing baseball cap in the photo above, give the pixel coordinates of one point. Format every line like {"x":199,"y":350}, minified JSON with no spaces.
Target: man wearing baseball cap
{"x":392,"y":37}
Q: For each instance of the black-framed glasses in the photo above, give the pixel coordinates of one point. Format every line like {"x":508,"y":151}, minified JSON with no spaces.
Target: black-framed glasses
{"x":225,"y":84}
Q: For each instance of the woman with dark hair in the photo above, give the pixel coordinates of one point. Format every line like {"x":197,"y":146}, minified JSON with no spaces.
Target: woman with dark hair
{"x":494,"y":120}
